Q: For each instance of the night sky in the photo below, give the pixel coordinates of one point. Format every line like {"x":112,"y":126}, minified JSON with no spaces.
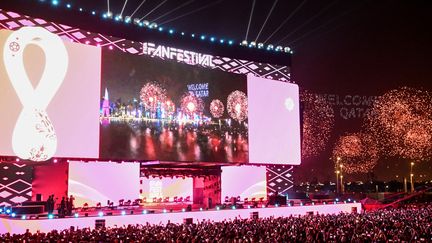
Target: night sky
{"x":354,"y":48}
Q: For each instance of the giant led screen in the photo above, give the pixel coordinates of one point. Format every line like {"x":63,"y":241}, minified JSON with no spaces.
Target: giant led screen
{"x":69,"y":93}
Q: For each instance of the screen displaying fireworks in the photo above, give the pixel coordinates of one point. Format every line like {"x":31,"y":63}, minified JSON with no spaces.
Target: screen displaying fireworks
{"x":164,"y":110}
{"x":401,"y":121}
{"x":318,"y":122}
{"x":356,"y":152}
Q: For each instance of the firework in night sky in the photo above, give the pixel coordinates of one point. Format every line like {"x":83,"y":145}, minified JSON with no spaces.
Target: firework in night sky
{"x":151,"y":95}
{"x":216,"y":108}
{"x":237,"y":106}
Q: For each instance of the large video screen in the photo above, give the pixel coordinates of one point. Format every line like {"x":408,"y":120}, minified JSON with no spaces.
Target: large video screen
{"x":166,"y":187}
{"x":85,"y":95}
{"x":251,"y":185}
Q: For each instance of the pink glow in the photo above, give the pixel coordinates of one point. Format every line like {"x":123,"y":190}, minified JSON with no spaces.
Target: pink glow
{"x":274,"y":122}
{"x":95,"y":182}
{"x":252,"y":182}
{"x":17,"y":226}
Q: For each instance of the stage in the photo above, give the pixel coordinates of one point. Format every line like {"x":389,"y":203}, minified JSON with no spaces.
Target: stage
{"x":19,"y":226}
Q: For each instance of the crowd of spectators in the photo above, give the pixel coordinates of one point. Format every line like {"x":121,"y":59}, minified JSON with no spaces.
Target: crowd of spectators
{"x":406,"y":224}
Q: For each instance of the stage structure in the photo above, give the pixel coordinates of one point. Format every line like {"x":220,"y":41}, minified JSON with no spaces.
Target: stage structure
{"x":133,"y":114}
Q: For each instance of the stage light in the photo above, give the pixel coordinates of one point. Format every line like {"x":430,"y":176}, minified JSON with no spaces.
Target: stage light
{"x":55,"y":2}
{"x":8,"y":211}
{"x":100,"y":214}
{"x":1,"y":210}
{"x":13,"y":215}
{"x":193,"y":35}
{"x":183,"y":210}
{"x":55,"y":160}
{"x":289,"y":205}
{"x":324,"y":203}
{"x":212,"y":39}
{"x":146,"y":22}
{"x":164,"y":210}
{"x":244,"y":43}
{"x":233,"y":207}
{"x":221,"y":41}
{"x":217,"y":208}
{"x":123,"y":212}
{"x":144,"y":211}
{"x":334,"y":202}
{"x":249,"y":206}
{"x":201,"y":209}
{"x":118,"y":17}
{"x":263,"y":206}
{"x":287,"y":49}
{"x":260,"y":45}
{"x":137,"y":21}
{"x":50,"y":216}
{"x":80,"y":9}
{"x":301,"y":204}
{"x":202,"y":37}
{"x":128,"y":19}
{"x":252,"y":44}
{"x":76,"y":215}
{"x":279,"y":48}
{"x":23,"y":217}
{"x":93,"y":13}
{"x":153,"y":25}
{"x":276,"y":205}
{"x":291,"y":52}
{"x":160,"y":29}
{"x":313,"y":203}
{"x":171,"y":31}
{"x":230,"y":42}
{"x":68,"y":5}
{"x":182,"y":33}
{"x":17,"y":160}
{"x":109,"y":14}
{"x":270,"y":47}
{"x":337,"y":199}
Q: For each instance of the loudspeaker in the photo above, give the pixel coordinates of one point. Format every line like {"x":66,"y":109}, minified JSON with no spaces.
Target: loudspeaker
{"x":254,"y":215}
{"x":188,"y":221}
{"x":99,"y":223}
{"x":38,"y":197}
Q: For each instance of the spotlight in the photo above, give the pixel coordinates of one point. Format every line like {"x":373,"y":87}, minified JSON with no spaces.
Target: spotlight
{"x":279,"y":48}
{"x":153,"y":25}
{"x":183,"y":210}
{"x":193,"y":35}
{"x":182,"y":33}
{"x":171,"y":31}
{"x":144,"y":211}
{"x":221,"y":41}
{"x":1,"y":210}
{"x":55,"y":160}
{"x":201,"y":209}
{"x":249,"y":206}
{"x":203,"y":37}
{"x":13,"y":215}
{"x":233,"y":207}
{"x":50,"y":216}
{"x":8,"y":211}
{"x":123,"y":212}
{"x":276,"y":205}
{"x":164,"y":210}
{"x":217,"y":208}
{"x":76,"y":215}
{"x":252,"y":44}
{"x":244,"y":43}
{"x":80,"y":9}
{"x":230,"y":42}
{"x":137,"y":21}
{"x":68,"y":5}
{"x":101,"y":214}
{"x":212,"y":39}
{"x":93,"y":13}
{"x":260,"y":45}
{"x":287,"y":49}
{"x":270,"y":47}
{"x":23,"y":217}
{"x":55,"y":2}
{"x":109,"y":14}
{"x":160,"y":28}
{"x":263,"y":206}
{"x":118,"y":17}
{"x":301,"y":204}
{"x":17,"y":159}
{"x":128,"y":19}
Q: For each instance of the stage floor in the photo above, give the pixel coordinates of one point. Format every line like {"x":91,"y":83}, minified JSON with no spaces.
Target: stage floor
{"x":19,"y":226}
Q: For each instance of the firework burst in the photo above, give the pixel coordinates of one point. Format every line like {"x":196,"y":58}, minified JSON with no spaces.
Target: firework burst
{"x":237,"y":106}
{"x":357,"y":152}
{"x":216,"y":108}
{"x":151,"y":95}
{"x":401,"y":120}
{"x":318,"y":122}
{"x":191,"y":104}
{"x":169,"y":107}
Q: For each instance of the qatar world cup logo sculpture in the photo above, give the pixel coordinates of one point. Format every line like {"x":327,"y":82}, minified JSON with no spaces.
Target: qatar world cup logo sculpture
{"x":34,"y":136}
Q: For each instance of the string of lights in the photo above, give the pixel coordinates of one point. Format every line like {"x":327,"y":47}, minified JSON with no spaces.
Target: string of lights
{"x":142,"y":23}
